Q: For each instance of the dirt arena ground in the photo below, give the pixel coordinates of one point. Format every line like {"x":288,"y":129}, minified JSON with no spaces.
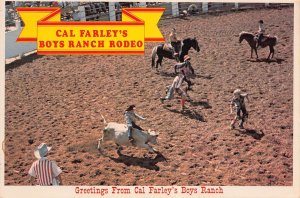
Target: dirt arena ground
{"x":58,"y":100}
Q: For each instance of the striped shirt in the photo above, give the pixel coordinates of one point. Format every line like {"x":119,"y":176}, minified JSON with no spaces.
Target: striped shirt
{"x":44,"y":171}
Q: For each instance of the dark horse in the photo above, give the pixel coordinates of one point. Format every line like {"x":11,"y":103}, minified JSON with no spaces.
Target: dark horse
{"x":186,"y":46}
{"x":270,"y":41}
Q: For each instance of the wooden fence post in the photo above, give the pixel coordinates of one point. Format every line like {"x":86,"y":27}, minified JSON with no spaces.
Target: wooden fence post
{"x":236,"y":5}
{"x":142,"y":4}
{"x":204,"y":7}
{"x":175,"y":9}
{"x":112,"y":11}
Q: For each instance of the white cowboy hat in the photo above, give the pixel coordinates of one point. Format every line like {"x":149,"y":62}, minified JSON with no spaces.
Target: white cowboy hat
{"x":41,"y":151}
{"x":237,"y":92}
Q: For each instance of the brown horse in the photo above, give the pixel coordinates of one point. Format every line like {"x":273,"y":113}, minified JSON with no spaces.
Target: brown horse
{"x":270,"y":41}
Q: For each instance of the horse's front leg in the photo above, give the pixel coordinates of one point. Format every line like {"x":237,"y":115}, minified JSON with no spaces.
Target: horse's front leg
{"x":271,"y":51}
{"x":255,"y":49}
{"x":269,"y":56}
{"x":251,"y":51}
{"x":159,"y":60}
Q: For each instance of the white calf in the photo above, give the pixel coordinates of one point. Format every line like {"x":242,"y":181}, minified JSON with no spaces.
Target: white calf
{"x":118,"y":133}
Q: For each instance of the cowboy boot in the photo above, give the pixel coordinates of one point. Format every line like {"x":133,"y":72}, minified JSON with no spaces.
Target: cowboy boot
{"x":162,"y":100}
{"x":232,"y":125}
{"x":131,"y":140}
{"x":182,"y":102}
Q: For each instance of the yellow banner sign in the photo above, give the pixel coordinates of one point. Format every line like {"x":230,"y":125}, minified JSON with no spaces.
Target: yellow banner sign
{"x":43,"y":25}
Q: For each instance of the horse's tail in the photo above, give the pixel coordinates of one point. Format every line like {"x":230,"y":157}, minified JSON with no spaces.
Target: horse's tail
{"x":153,"y":55}
{"x":103,"y":119}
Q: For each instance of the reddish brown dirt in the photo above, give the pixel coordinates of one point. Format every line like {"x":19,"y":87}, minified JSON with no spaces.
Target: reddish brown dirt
{"x":58,"y":100}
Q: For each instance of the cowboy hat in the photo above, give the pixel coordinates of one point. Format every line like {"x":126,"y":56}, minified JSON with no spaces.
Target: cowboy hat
{"x":41,"y":151}
{"x":186,"y":57}
{"x":237,"y":92}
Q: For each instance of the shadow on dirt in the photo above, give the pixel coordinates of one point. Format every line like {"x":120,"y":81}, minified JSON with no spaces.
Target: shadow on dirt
{"x":201,"y":103}
{"x":252,"y":132}
{"x":167,"y":74}
{"x":27,"y":59}
{"x":208,"y":77}
{"x":145,"y":162}
{"x":276,"y":60}
{"x":184,"y":18}
{"x":188,"y":113}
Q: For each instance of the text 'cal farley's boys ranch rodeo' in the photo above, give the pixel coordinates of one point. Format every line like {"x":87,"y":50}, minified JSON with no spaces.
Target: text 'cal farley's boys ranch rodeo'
{"x":122,"y":37}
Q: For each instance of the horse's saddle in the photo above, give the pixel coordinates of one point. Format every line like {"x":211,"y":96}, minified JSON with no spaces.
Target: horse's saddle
{"x":263,"y":39}
{"x":170,"y":48}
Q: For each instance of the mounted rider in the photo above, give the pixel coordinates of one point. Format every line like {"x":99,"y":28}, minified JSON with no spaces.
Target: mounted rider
{"x":186,"y":69}
{"x":175,"y":42}
{"x":260,"y":32}
{"x":131,"y":117}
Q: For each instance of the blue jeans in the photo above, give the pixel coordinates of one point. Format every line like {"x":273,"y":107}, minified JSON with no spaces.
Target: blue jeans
{"x":131,"y":127}
{"x":242,"y":117}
